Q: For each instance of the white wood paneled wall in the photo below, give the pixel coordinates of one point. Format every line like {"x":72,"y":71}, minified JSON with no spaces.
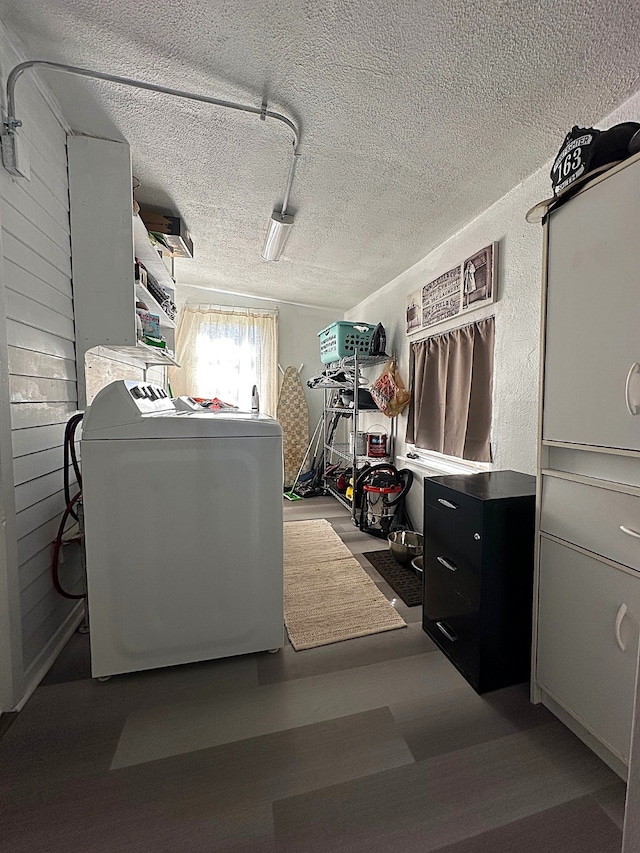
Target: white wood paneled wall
{"x":38,"y":352}
{"x":38,"y":392}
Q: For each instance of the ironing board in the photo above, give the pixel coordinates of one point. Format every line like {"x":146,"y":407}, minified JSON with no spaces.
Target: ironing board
{"x":293,"y":416}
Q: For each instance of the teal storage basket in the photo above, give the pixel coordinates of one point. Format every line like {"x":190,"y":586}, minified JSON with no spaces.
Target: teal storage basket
{"x":342,"y":339}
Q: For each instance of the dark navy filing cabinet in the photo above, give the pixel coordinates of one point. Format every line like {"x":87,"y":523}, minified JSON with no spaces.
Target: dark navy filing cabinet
{"x":478,"y":573}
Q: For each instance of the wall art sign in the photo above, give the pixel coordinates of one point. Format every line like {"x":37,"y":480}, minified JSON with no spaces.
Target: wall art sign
{"x":441,"y":298}
{"x":464,"y":288}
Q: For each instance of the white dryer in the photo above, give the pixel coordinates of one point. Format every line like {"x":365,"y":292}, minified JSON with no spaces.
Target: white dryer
{"x":183,"y":531}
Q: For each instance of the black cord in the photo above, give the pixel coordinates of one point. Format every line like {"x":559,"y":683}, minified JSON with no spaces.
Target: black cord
{"x":406,"y":478}
{"x":69,"y":450}
{"x":72,"y":448}
{"x":57,"y":545}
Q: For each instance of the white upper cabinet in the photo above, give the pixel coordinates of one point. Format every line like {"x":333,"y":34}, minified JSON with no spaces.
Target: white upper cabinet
{"x":102,"y":241}
{"x":106,"y":237}
{"x":592,"y":348}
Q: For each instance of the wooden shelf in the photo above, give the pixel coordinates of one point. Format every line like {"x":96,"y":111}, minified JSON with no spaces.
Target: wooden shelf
{"x":154,"y":306}
{"x":148,"y":255}
{"x":146,"y":354}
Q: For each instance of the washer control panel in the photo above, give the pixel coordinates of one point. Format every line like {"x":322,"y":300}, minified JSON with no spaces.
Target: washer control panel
{"x":126,"y":401}
{"x":148,"y":392}
{"x":148,"y":398}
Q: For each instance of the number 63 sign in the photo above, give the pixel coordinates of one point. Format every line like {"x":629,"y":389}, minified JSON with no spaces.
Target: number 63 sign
{"x":574,"y":158}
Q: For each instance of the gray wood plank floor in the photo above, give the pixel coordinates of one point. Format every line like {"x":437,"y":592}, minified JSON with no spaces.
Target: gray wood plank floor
{"x":374,"y":744}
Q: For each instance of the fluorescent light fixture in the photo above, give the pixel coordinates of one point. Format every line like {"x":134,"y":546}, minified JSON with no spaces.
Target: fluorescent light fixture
{"x":279,"y":229}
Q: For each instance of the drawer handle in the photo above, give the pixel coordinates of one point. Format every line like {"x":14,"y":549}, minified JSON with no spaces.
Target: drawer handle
{"x":633,"y":408}
{"x":629,"y":531}
{"x":622,"y":612}
{"x":448,"y":504}
{"x":449,"y":634}
{"x":447,"y":564}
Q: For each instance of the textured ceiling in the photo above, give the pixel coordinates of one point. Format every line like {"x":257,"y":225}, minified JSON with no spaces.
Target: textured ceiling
{"x":414,"y":117}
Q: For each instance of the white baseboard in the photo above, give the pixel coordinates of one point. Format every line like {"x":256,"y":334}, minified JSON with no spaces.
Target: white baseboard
{"x":47,"y":657}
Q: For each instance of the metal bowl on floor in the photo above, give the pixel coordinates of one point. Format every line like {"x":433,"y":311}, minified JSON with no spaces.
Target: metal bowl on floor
{"x":417,"y":565}
{"x":405,"y":545}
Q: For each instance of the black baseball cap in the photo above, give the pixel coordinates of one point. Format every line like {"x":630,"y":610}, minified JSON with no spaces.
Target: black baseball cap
{"x":585,"y":153}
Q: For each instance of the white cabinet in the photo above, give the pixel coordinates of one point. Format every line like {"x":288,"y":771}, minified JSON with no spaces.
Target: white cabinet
{"x":588,"y":640}
{"x":588,"y":532}
{"x":105,"y":239}
{"x":593,"y":316}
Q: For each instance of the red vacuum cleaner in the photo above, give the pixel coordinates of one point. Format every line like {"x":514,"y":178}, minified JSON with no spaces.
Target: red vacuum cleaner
{"x":380,"y":492}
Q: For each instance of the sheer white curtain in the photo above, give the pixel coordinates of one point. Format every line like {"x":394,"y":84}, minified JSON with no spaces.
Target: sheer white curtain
{"x":224,"y":351}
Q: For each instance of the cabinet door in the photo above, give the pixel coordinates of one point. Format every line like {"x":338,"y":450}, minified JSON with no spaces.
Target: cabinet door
{"x":102,"y":241}
{"x":593,"y":316}
{"x":588,"y":640}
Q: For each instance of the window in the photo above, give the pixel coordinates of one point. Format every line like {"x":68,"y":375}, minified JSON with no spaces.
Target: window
{"x":224,"y":352}
{"x":451,"y":392}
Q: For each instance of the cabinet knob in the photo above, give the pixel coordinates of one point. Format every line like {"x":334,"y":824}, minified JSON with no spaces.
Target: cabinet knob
{"x":477,"y":536}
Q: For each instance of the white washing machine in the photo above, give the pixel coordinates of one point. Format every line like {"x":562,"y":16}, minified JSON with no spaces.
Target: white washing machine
{"x":183,"y":531}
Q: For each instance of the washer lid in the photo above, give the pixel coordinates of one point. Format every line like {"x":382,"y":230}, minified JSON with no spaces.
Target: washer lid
{"x":189,"y":425}
{"x":139,"y":410}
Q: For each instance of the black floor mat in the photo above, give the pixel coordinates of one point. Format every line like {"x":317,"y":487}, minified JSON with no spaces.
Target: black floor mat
{"x":401,"y":579}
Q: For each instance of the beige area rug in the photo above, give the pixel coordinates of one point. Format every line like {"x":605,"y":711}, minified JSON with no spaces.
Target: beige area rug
{"x":328,"y":596}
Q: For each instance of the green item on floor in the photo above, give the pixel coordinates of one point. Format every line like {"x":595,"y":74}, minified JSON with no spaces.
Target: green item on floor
{"x":291,"y":496}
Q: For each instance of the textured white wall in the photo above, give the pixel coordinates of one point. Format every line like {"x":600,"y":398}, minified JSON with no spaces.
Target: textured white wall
{"x":517,"y":311}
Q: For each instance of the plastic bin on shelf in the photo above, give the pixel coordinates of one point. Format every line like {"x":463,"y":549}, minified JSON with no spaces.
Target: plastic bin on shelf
{"x":342,"y":339}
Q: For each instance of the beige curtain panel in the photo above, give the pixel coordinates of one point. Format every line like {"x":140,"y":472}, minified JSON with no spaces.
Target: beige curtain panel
{"x":451,"y":379}
{"x":224,"y":351}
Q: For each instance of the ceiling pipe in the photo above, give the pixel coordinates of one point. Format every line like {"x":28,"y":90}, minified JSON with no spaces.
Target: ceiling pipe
{"x":14,"y":155}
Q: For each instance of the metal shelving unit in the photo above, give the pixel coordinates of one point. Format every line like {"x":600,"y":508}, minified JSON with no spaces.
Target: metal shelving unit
{"x":342,"y":450}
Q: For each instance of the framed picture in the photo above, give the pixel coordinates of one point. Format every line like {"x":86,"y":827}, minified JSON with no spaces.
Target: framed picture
{"x":414,"y":311}
{"x":477,"y":279}
{"x":464,"y":288}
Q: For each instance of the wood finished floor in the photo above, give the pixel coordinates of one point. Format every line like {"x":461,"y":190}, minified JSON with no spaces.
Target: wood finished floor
{"x":374,"y":744}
